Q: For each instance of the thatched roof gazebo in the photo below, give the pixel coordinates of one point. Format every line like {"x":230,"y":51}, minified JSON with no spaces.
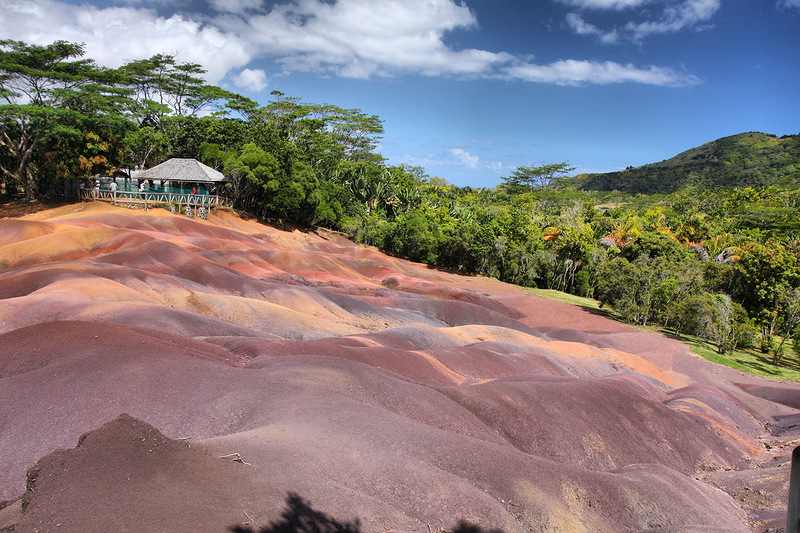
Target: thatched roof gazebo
{"x":183,"y":170}
{"x":173,"y":177}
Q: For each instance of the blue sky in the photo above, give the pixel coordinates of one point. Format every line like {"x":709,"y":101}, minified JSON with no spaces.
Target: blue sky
{"x":469,"y":90}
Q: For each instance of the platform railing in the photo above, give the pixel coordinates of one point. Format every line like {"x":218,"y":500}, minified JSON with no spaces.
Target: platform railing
{"x":155,"y":198}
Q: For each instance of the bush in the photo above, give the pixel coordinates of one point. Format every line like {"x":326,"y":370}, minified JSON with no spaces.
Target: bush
{"x":746,"y":334}
{"x":415,"y":236}
{"x":583,"y":284}
{"x":796,"y":341}
{"x":716,"y":318}
{"x":368,"y":229}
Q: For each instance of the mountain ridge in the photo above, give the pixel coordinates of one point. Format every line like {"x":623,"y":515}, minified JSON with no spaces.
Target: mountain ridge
{"x":745,"y":159}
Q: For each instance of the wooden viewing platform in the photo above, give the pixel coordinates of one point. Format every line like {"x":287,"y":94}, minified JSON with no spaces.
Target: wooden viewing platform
{"x":199,"y":205}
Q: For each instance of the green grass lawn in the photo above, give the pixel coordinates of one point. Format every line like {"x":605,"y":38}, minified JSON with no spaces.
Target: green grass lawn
{"x":750,"y":361}
{"x":566,"y":298}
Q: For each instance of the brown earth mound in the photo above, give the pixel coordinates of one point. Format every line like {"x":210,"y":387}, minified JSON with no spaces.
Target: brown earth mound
{"x":260,"y":363}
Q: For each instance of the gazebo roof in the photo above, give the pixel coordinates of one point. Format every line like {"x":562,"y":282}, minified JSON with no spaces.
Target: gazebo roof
{"x":178,"y":169}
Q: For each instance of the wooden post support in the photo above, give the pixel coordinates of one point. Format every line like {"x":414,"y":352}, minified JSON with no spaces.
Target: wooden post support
{"x":793,"y":517}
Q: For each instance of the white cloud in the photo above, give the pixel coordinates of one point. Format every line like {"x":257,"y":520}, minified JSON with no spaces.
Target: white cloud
{"x":604,"y":4}
{"x":464,"y":158}
{"x":576,"y":73}
{"x":358,"y":38}
{"x":453,"y":157}
{"x":235,"y":6}
{"x":679,"y":16}
{"x":581,"y":27}
{"x":676,"y":18}
{"x":115,"y":35}
{"x":353,"y":38}
{"x":249,"y":79}
{"x":146,"y":3}
{"x":786,"y":4}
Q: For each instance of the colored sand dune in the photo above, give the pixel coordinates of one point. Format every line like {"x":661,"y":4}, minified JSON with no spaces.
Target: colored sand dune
{"x":164,"y":374}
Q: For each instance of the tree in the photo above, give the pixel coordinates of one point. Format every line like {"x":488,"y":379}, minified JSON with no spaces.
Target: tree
{"x":652,"y":244}
{"x":186,"y":135}
{"x":415,"y":235}
{"x":714,"y":317}
{"x":161,"y":86}
{"x":796,"y":340}
{"x":355,"y":134}
{"x":788,"y":312}
{"x":256,"y":172}
{"x":532,"y":177}
{"x":54,"y":97}
{"x":368,"y":182}
{"x":97,"y":156}
{"x":47,"y":90}
{"x":763,"y":275}
{"x":628,"y":288}
{"x":145,"y":146}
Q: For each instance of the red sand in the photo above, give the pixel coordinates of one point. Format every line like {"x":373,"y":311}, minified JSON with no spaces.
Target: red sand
{"x":374,"y":387}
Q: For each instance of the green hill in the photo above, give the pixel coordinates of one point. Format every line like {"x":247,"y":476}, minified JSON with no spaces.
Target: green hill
{"x":746,"y":159}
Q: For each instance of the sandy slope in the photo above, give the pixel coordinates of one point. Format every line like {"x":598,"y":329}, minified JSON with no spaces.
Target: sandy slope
{"x":374,"y":387}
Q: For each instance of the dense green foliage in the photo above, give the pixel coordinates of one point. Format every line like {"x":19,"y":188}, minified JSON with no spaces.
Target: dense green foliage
{"x":747,"y":159}
{"x":722,"y":264}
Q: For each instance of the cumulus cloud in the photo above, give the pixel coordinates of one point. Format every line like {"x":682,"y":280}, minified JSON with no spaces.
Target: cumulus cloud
{"x":787,"y":4}
{"x":115,"y":35}
{"x":465,"y":158}
{"x":576,"y":73}
{"x":254,"y":80}
{"x":235,"y":6}
{"x":676,"y":18}
{"x":680,"y":16}
{"x":604,"y":4}
{"x":359,"y":39}
{"x":581,"y":27}
{"x":351,"y":38}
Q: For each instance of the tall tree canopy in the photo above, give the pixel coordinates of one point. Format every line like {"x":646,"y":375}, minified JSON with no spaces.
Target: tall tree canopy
{"x":535,"y":177}
{"x":52,"y":96}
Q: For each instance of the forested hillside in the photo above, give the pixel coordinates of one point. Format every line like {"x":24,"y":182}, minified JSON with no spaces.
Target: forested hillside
{"x":721,"y":264}
{"x":747,"y":159}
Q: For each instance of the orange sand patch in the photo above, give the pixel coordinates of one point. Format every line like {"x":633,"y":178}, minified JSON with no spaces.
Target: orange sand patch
{"x":633,"y":362}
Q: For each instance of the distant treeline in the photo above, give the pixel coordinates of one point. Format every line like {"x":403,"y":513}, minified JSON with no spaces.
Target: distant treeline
{"x":721,"y":263}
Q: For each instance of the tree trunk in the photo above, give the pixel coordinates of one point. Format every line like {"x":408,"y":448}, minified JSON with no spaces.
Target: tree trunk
{"x":21,"y":152}
{"x":31,"y":187}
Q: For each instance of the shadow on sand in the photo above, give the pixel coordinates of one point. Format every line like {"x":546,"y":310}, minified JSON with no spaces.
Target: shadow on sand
{"x":300,"y":517}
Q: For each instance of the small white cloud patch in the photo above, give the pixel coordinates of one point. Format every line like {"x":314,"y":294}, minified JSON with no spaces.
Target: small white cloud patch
{"x":676,"y":18}
{"x":581,"y":27}
{"x":465,"y":158}
{"x":253,"y":80}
